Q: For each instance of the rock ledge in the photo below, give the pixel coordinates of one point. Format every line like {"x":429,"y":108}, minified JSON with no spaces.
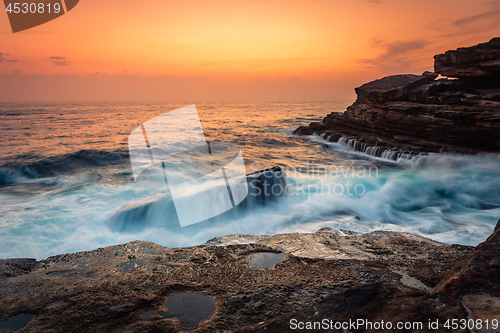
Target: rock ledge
{"x":335,"y":274}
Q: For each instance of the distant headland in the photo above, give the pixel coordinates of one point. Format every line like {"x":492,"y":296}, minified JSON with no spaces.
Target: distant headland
{"x":405,"y":115}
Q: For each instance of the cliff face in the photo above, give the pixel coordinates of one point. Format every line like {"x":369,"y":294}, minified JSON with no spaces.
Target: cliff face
{"x":402,"y":115}
{"x":333,"y":274}
{"x":477,"y":62}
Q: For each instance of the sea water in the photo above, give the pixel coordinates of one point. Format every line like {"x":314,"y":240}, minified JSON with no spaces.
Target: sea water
{"x":66,"y":182}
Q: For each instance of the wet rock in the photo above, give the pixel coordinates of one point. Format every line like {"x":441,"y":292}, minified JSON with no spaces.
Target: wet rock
{"x":15,"y":322}
{"x":190,"y":308}
{"x":264,"y":186}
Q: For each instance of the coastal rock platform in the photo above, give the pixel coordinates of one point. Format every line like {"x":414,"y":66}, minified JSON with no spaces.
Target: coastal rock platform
{"x":333,"y":274}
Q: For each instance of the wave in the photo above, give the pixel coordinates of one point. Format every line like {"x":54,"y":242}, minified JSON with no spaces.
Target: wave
{"x":11,"y":174}
{"x":449,"y":198}
{"x":160,"y":210}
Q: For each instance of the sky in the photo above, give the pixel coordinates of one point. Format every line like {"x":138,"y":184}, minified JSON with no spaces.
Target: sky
{"x":221,"y":50}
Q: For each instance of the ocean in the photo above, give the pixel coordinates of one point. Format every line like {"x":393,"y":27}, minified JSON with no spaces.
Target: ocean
{"x":66,"y":182}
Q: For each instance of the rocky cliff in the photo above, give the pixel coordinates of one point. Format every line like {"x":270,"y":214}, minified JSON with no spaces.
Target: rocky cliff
{"x":402,"y":115}
{"x":333,"y":274}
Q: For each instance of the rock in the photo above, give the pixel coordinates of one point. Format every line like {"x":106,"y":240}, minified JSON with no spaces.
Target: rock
{"x":476,"y":282}
{"x":481,"y":273}
{"x":334,"y":274}
{"x":367,"y":307}
{"x":480,"y":61}
{"x":264,"y":186}
{"x":417,"y":114}
{"x":418,"y":127}
{"x":331,"y":273}
{"x":434,"y":93}
{"x":482,"y":307}
{"x":16,"y":267}
{"x":391,"y":88}
{"x":430,"y":75}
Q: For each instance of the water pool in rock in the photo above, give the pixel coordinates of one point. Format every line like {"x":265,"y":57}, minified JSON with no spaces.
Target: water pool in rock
{"x":16,"y":322}
{"x":191,"y":308}
{"x":267,"y":260}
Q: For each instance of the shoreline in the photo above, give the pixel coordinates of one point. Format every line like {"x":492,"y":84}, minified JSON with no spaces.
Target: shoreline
{"x":345,"y":274}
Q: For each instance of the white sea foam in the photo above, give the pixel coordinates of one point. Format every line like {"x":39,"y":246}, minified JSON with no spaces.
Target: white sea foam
{"x":71,"y":204}
{"x":449,"y":198}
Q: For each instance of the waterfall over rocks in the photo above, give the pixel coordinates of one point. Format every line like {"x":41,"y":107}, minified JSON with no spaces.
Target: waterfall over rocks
{"x":377,"y":151}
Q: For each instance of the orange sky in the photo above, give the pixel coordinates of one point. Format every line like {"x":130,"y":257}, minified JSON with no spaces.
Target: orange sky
{"x":318,"y":49}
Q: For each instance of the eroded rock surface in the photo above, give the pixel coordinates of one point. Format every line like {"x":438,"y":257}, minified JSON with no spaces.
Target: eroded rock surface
{"x":331,"y":273}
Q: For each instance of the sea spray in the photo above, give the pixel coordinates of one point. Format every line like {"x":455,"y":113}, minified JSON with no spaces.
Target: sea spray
{"x":57,"y":199}
{"x":264,"y":187}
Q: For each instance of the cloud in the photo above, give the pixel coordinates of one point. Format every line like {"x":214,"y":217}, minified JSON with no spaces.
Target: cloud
{"x":3,"y":58}
{"x":479,"y":26}
{"x":60,"y":63}
{"x":436,"y":26}
{"x":398,"y":55}
{"x":495,"y":14}
{"x":378,"y":2}
{"x":482,"y":23}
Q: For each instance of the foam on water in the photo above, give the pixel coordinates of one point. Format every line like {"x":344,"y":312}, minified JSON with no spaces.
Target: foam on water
{"x":449,"y":198}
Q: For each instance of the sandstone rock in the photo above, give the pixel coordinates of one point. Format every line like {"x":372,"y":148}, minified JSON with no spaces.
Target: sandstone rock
{"x":430,"y":75}
{"x":16,"y":267}
{"x":333,"y":273}
{"x":405,"y":115}
{"x":482,"y":307}
{"x":434,"y":92}
{"x":481,"y":273}
{"x":391,"y":88}
{"x":480,"y":61}
{"x":476,"y":282}
{"x":419,"y":127}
